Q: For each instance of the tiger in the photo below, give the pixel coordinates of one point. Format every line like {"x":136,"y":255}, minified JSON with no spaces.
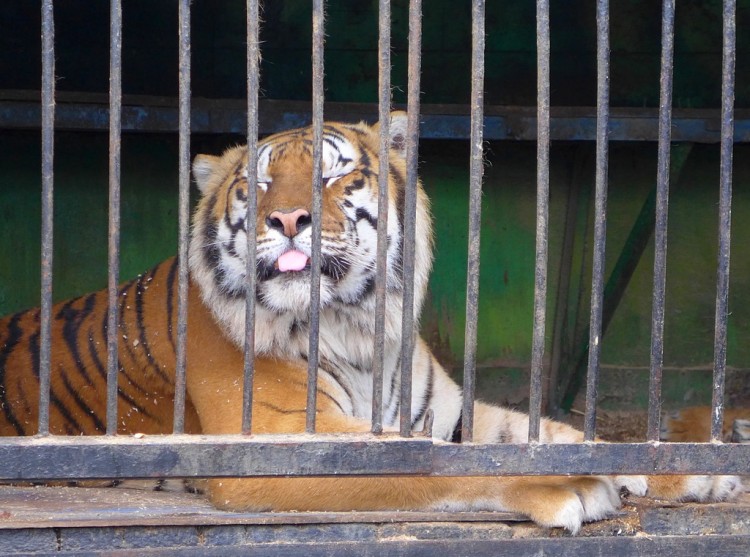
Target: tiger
{"x":216,"y":334}
{"x":693,"y":424}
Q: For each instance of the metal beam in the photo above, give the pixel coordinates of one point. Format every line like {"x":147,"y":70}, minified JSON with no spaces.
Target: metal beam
{"x":85,"y":112}
{"x":78,"y":458}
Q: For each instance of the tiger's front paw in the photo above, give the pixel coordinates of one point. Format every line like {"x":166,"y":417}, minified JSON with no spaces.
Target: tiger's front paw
{"x":569,"y":502}
{"x":701,"y":489}
{"x":709,"y":489}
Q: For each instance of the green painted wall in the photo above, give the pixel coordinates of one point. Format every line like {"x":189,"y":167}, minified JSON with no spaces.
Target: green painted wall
{"x":149,"y":193}
{"x":149,"y":201}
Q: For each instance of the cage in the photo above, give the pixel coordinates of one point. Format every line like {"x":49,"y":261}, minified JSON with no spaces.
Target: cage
{"x":551,"y":179}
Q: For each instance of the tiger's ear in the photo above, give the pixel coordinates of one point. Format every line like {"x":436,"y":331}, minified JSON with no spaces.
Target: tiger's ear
{"x":203,"y":168}
{"x":397,"y":131}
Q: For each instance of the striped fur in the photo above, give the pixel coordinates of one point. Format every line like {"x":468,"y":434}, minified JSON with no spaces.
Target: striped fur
{"x":216,"y":309}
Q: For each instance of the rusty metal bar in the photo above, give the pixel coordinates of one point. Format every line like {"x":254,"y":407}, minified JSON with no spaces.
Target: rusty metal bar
{"x":410,"y":208}
{"x":184,"y":215}
{"x":91,"y":457}
{"x":115,"y":107}
{"x":86,"y":111}
{"x":725,"y":218}
{"x":384,"y":109}
{"x":600,"y":219}
{"x":317,"y":208}
{"x":542,"y":217}
{"x":660,"y":226}
{"x":253,"y":86}
{"x":476,"y":173}
{"x":48,"y":183}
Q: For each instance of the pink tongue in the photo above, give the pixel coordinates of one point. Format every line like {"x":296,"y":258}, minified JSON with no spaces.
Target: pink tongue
{"x":292,"y":260}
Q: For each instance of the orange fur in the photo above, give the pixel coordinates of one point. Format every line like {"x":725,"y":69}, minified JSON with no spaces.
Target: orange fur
{"x":693,"y":424}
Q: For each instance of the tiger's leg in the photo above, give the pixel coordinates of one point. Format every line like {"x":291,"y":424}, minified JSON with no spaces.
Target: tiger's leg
{"x":507,"y":426}
{"x":278,"y":407}
{"x":693,"y":424}
{"x":548,"y":501}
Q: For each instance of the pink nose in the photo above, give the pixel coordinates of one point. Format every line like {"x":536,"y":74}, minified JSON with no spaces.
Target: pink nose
{"x":290,"y":223}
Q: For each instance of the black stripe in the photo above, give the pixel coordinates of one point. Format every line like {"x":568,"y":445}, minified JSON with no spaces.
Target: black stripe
{"x":85,"y":408}
{"x":396,"y":375}
{"x":357,"y":184}
{"x":334,"y":267}
{"x":72,"y":427}
{"x":327,"y":366}
{"x":322,"y":392}
{"x":103,"y":373}
{"x":170,"y":304}
{"x":428,"y":395}
{"x":457,"y":434}
{"x":364,"y":214}
{"x":142,"y":339}
{"x":72,"y":319}
{"x":279,"y":409}
{"x":400,"y":182}
{"x":14,"y":337}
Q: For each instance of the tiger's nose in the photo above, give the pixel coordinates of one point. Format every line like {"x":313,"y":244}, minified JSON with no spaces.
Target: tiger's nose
{"x":290,"y":223}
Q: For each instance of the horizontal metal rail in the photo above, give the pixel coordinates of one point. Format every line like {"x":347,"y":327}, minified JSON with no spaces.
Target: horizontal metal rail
{"x":20,"y":110}
{"x":68,"y":458}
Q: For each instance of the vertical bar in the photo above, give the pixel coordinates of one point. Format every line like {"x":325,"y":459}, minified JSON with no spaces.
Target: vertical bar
{"x":115,"y":107}
{"x":384,"y":109}
{"x":725,"y":218}
{"x":253,"y":85}
{"x":410,"y":208}
{"x":317,"y":209}
{"x":184,"y":214}
{"x":600,"y":208}
{"x":48,"y":155}
{"x":542,"y":217}
{"x":476,"y":172}
{"x":660,"y":226}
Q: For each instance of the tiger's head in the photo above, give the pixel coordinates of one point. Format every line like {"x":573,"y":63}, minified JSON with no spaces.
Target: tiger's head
{"x":350,"y":170}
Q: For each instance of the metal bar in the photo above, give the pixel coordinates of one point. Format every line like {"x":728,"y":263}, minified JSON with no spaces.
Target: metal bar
{"x":622,"y":272}
{"x":91,"y":457}
{"x":184,"y":216}
{"x":76,"y":112}
{"x":253,"y":86}
{"x":725,"y":219}
{"x":48,"y":156}
{"x":661,"y":219}
{"x":410,"y":208}
{"x":476,"y":173}
{"x":542,"y":217}
{"x":600,"y":219}
{"x":317,"y":209}
{"x":115,"y":106}
{"x":384,"y":108}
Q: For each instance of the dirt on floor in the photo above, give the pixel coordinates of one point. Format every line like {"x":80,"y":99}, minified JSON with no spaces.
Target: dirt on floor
{"x":620,"y":426}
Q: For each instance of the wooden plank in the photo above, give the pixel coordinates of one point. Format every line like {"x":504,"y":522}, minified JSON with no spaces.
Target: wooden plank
{"x":76,"y":507}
